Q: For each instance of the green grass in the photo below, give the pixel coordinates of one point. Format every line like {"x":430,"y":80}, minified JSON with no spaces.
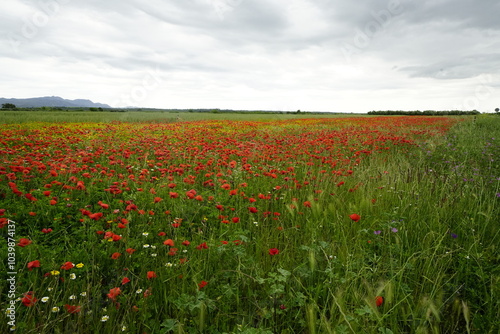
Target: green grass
{"x":24,"y":116}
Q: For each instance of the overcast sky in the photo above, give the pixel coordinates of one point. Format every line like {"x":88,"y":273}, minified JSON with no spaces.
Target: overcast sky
{"x":312,"y":55}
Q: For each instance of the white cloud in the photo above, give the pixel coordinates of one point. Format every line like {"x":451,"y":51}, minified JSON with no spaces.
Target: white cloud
{"x":241,"y":54}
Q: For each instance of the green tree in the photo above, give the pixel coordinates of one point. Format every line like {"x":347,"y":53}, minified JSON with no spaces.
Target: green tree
{"x":8,"y":106}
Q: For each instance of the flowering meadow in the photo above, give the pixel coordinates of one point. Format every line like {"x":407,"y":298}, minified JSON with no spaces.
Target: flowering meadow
{"x":320,"y":225}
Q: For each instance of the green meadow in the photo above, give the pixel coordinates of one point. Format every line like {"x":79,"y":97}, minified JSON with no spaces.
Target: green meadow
{"x":250,"y":223}
{"x":24,"y":116}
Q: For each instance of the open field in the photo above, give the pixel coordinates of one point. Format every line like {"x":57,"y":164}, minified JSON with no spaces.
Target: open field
{"x":24,"y":116}
{"x":288,"y":225}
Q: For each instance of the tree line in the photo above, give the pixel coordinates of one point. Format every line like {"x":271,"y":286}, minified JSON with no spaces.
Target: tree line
{"x":424,"y":113}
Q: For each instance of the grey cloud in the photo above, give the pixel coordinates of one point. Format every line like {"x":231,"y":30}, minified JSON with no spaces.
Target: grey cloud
{"x":461,"y":68}
{"x":287,"y":47}
{"x":459,"y":13}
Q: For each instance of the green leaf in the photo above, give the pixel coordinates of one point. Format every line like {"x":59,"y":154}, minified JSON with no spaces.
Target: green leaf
{"x":364,"y":310}
{"x":284,"y":272}
{"x":168,"y":325}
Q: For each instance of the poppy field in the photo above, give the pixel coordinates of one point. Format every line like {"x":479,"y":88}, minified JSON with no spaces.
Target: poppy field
{"x":320,"y":225}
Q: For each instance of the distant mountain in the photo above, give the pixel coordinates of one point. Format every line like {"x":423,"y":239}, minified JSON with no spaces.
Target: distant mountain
{"x":52,"y":101}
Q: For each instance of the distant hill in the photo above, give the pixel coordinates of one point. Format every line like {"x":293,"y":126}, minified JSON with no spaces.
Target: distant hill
{"x":52,"y":101}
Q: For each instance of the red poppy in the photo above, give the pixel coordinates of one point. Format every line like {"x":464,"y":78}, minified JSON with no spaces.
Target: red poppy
{"x":379,"y":300}
{"x":274,"y":251}
{"x":33,"y":264}
{"x":23,"y":242}
{"x":125,"y":280}
{"x":355,"y":217}
{"x":130,"y":250}
{"x":147,"y":293}
{"x":85,"y":212}
{"x":202,"y":246}
{"x":253,"y":209}
{"x":113,"y":293}
{"x":186,"y":243}
{"x":115,"y":255}
{"x":307,"y":204}
{"x":103,"y":205}
{"x":131,"y":207}
{"x":67,"y":266}
{"x":151,"y":274}
{"x":29,"y":299}
{"x":96,"y":216}
{"x":235,"y":219}
{"x":72,"y":308}
{"x":202,"y":284}
{"x":169,"y":242}
{"x":30,"y":197}
{"x":191,"y":193}
{"x":80,"y":185}
{"x":157,"y":199}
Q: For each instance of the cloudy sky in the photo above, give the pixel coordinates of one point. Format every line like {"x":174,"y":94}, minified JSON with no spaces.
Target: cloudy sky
{"x":312,"y":55}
